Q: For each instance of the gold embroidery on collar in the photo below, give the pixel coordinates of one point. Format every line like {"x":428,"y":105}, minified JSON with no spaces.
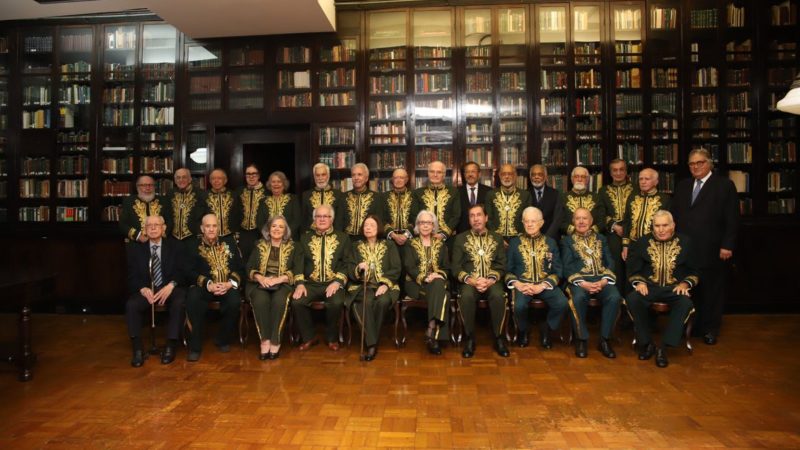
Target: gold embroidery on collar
{"x":277,"y":205}
{"x":507,"y":207}
{"x":663,"y":257}
{"x":358,"y":206}
{"x":323,"y":269}
{"x":217,"y":257}
{"x":480,"y":250}
{"x":435,"y":200}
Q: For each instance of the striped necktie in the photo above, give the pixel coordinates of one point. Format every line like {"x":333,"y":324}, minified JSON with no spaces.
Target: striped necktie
{"x":155,"y":267}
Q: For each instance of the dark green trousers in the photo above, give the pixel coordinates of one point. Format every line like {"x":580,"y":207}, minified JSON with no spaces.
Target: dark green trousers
{"x":196,"y":307}
{"x":301,"y":309}
{"x":270,"y":309}
{"x":579,"y":303}
{"x":437,"y":296}
{"x":639,"y":307}
{"x":615,"y":247}
{"x":371,"y":317}
{"x":468,"y":303}
{"x":556,"y":306}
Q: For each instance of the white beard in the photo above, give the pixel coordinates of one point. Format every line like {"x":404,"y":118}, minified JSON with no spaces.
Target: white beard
{"x":147,"y":198}
{"x":579,"y":186}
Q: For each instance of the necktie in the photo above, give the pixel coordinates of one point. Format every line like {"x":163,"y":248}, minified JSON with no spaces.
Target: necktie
{"x":155,"y":266}
{"x":538,"y":195}
{"x":696,"y":190}
{"x":472,"y":196}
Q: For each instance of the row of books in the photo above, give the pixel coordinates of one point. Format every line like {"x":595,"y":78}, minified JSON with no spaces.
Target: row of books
{"x":735,"y":15}
{"x":551,"y":79}
{"x":784,"y":13}
{"x":118,"y":116}
{"x":35,"y":166}
{"x":158,"y":71}
{"x":387,"y":140}
{"x":512,"y":81}
{"x":118,"y":94}
{"x":119,"y":72}
{"x":387,"y":84}
{"x":339,"y":53}
{"x":294,"y":55}
{"x":33,"y":188}
{"x":72,"y":214}
{"x":387,"y":159}
{"x":154,"y":164}
{"x":705,"y":77}
{"x":703,"y":18}
{"x":338,"y":160}
{"x":781,"y":181}
{"x":34,"y":214}
{"x":36,"y":119}
{"x":513,"y":106}
{"x":205,"y":84}
{"x":740,"y":153}
{"x":628,"y":19}
{"x":115,"y":188}
{"x":632,"y":153}
{"x":117,"y":166}
{"x":663,"y":18}
{"x":781,"y":206}
{"x":479,"y":81}
{"x":158,"y":115}
{"x":589,"y":79}
{"x":159,"y":92}
{"x":36,"y":95}
{"x":739,"y":102}
{"x":738,"y":77}
{"x":247,"y":82}
{"x":388,"y":128}
{"x":589,"y":155}
{"x":73,"y":165}
{"x":704,"y":103}
{"x":337,"y":136}
{"x":77,"y":42}
{"x":76,"y":94}
{"x":337,"y":99}
{"x":628,"y":104}
{"x":73,"y":188}
{"x":38,"y":44}
{"x":664,"y":103}
{"x":300,"y":79}
{"x":628,"y":78}
{"x":337,"y":78}
{"x":246,"y":57}
{"x":294,"y":100}
{"x":121,"y":38}
{"x":589,"y":105}
{"x":111,"y":213}
{"x":553,"y":156}
{"x":81,"y":67}
{"x":426,"y":83}
{"x":665,"y":154}
{"x":782,"y":152}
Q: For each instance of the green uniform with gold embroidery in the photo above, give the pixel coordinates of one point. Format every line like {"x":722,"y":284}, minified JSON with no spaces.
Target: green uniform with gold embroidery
{"x":589,"y":200}
{"x":323,"y":260}
{"x":535,"y":259}
{"x":614,"y":198}
{"x":480,"y":256}
{"x":251,"y":201}
{"x":661,"y":265}
{"x":383,"y":261}
{"x":504,"y":208}
{"x":357,"y":206}
{"x":271,"y":306}
{"x":225,"y":205}
{"x":213,"y":263}
{"x":397,"y":209}
{"x":639,"y":210}
{"x":587,"y":258}
{"x":312,"y":198}
{"x":444,"y":202}
{"x":135,"y":211}
{"x":187,"y":209}
{"x":288,"y":206}
{"x":420,"y":261}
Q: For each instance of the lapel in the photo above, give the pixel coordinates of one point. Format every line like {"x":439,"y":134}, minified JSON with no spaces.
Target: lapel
{"x":704,"y":191}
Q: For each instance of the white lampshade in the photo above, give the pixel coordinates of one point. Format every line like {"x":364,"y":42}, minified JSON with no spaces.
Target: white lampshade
{"x":791,"y":103}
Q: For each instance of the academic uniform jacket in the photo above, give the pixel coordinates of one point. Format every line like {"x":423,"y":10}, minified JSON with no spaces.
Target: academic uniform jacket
{"x":172,"y":264}
{"x":463,"y":222}
{"x":552,"y":210}
{"x":712,"y":222}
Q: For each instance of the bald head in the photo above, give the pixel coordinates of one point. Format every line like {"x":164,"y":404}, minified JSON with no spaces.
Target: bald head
{"x":648,"y":180}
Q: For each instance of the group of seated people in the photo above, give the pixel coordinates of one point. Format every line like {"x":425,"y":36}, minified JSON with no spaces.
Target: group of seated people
{"x":358,"y":251}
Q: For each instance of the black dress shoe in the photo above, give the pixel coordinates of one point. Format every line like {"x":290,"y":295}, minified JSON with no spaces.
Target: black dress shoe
{"x":606,"y":349}
{"x":224,"y":348}
{"x":193,"y":356}
{"x":646,"y":351}
{"x":580,"y":349}
{"x":168,"y":356}
{"x":661,"y":357}
{"x":138,"y":358}
{"x":264,"y":356}
{"x":433,"y":347}
{"x":710,"y":339}
{"x":500,"y":347}
{"x":522,"y":339}
{"x":273,"y":356}
{"x":371,"y":353}
{"x":469,"y":347}
{"x":546,"y":341}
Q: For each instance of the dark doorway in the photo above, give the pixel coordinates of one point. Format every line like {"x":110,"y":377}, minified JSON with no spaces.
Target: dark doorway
{"x":285,"y":149}
{"x":269,"y":158}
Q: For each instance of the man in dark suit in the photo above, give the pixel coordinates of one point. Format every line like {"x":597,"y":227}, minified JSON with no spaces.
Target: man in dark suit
{"x":706,"y":208}
{"x":547,"y":200}
{"x":154,"y":277}
{"x":472,"y":192}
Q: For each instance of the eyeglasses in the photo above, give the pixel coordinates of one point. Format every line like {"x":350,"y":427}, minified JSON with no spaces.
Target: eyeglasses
{"x":251,"y":174}
{"x":323,"y":217}
{"x":698,"y":163}
{"x":425,"y":222}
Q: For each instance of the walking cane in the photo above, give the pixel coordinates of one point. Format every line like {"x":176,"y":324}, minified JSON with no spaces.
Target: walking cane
{"x":153,"y":349}
{"x":362,"y":356}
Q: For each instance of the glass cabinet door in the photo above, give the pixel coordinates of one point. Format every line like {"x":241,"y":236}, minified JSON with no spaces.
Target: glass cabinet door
{"x":553,"y":84}
{"x":479,"y":106}
{"x":627,"y":107}
{"x":513,"y":97}
{"x":204,"y":64}
{"x":587,"y":48}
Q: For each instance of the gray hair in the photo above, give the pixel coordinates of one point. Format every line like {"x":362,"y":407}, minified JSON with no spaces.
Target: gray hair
{"x":578,"y":169}
{"x":282,"y":177}
{"x":705,"y":153}
{"x":533,"y":210}
{"x":540,"y":166}
{"x":326,"y":206}
{"x":265,"y":229}
{"x":321,"y":165}
{"x":433,"y":217}
{"x":361,"y":166}
{"x":663,"y":213}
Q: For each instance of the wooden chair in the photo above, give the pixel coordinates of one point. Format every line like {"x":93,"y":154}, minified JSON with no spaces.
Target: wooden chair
{"x":400,"y":308}
{"x":659,"y":308}
{"x":344,"y":321}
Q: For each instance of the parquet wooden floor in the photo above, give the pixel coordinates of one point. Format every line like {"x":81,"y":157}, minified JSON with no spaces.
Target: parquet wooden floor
{"x":739,"y":394}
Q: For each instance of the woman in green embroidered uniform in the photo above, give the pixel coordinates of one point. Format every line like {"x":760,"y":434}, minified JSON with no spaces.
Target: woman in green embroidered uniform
{"x":282,"y":203}
{"x":377,"y":261}
{"x":271,"y":270}
{"x":427,"y":267}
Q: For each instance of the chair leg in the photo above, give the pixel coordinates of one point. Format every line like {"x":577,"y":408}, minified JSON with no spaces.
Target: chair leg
{"x":397,"y":308}
{"x":689,"y":324}
{"x":244,"y":322}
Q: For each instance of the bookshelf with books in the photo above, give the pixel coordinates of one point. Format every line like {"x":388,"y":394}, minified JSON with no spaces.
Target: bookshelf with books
{"x":478,"y":104}
{"x":782,"y":135}
{"x":38,"y":59}
{"x":336,"y":146}
{"x":552,"y":22}
{"x":434,"y":101}
{"x":513,"y":100}
{"x":337,"y":74}
{"x":628,"y":140}
{"x":204,"y":75}
{"x":588,"y":101}
{"x":664,"y":59}
{"x":245,"y":80}
{"x":294,"y":79}
{"x":5,"y":71}
{"x":387,"y":88}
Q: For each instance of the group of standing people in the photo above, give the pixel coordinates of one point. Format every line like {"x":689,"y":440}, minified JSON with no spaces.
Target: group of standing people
{"x":357,"y":251}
